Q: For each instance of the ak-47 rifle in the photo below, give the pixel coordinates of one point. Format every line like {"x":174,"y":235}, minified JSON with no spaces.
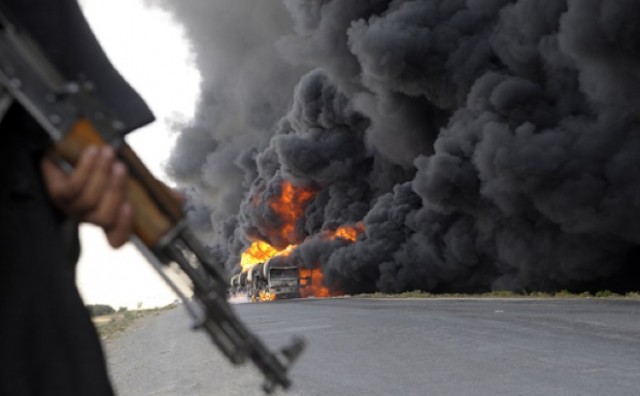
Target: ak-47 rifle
{"x":74,"y":118}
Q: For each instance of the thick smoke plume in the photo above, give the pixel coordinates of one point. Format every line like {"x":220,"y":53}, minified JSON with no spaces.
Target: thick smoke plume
{"x":484,"y":144}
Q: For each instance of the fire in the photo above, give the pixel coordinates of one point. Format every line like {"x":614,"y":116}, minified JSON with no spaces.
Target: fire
{"x":311,"y":284}
{"x":311,"y":280}
{"x":260,"y":252}
{"x":266,"y":296}
{"x":349,"y":233}
{"x":290,"y":207}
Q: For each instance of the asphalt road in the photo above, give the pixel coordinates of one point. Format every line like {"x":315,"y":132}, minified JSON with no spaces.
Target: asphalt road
{"x":400,"y":347}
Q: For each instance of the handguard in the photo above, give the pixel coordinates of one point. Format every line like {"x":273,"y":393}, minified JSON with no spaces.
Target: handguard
{"x":74,"y":118}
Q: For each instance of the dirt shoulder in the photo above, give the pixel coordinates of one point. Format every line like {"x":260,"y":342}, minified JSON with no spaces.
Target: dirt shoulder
{"x":112,"y":325}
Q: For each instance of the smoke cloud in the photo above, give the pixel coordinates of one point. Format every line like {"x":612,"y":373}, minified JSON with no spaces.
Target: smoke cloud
{"x":484,"y":144}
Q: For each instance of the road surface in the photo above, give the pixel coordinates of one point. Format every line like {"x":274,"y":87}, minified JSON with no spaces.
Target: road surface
{"x":400,"y":347}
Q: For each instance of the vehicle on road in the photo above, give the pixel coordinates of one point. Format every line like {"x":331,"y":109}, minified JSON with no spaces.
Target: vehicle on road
{"x":266,"y":282}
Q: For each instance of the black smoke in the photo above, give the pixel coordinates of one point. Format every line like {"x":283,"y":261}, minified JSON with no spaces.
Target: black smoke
{"x":484,"y":144}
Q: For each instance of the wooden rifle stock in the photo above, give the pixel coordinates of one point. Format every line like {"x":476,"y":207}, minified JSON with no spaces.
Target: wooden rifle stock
{"x":156,"y":210}
{"x":75,"y":119}
{"x":157,"y":217}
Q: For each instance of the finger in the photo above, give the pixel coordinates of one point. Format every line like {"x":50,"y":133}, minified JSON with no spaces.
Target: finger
{"x":178,"y":196}
{"x":106,"y":212}
{"x":68,"y":188}
{"x":93,"y":188}
{"x":58,"y":182}
{"x":55,"y":178}
{"x":119,"y":233}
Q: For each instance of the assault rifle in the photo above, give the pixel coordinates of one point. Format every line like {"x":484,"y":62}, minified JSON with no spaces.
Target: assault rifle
{"x":75,"y":118}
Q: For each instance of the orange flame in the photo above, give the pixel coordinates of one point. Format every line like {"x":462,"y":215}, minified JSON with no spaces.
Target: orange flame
{"x":260,"y":252}
{"x":311,"y":284}
{"x":347,"y":232}
{"x":290,"y":207}
{"x":266,"y":296}
{"x":311,"y":280}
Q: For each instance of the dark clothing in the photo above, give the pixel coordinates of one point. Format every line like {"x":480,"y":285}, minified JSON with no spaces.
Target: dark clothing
{"x":48,"y":345}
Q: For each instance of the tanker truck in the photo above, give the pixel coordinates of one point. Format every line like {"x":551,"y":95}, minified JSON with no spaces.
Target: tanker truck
{"x":282,"y":280}
{"x":267,"y":281}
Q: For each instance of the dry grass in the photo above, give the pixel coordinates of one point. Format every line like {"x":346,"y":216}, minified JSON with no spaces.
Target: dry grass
{"x":112,"y":325}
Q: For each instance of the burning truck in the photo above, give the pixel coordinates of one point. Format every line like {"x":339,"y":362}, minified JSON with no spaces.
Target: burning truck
{"x":276,"y":280}
{"x":272,"y":266}
{"x":267,"y":282}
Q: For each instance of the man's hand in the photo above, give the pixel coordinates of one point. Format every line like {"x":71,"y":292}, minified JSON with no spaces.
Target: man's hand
{"x":94,"y":192}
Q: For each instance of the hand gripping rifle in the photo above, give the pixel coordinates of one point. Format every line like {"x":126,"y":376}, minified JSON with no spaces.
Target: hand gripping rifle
{"x":76,"y":119}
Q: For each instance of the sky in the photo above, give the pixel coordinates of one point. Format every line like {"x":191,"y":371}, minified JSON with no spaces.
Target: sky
{"x":150,"y":50}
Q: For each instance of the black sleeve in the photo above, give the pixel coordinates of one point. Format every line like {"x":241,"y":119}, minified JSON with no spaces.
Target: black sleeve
{"x":48,"y":345}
